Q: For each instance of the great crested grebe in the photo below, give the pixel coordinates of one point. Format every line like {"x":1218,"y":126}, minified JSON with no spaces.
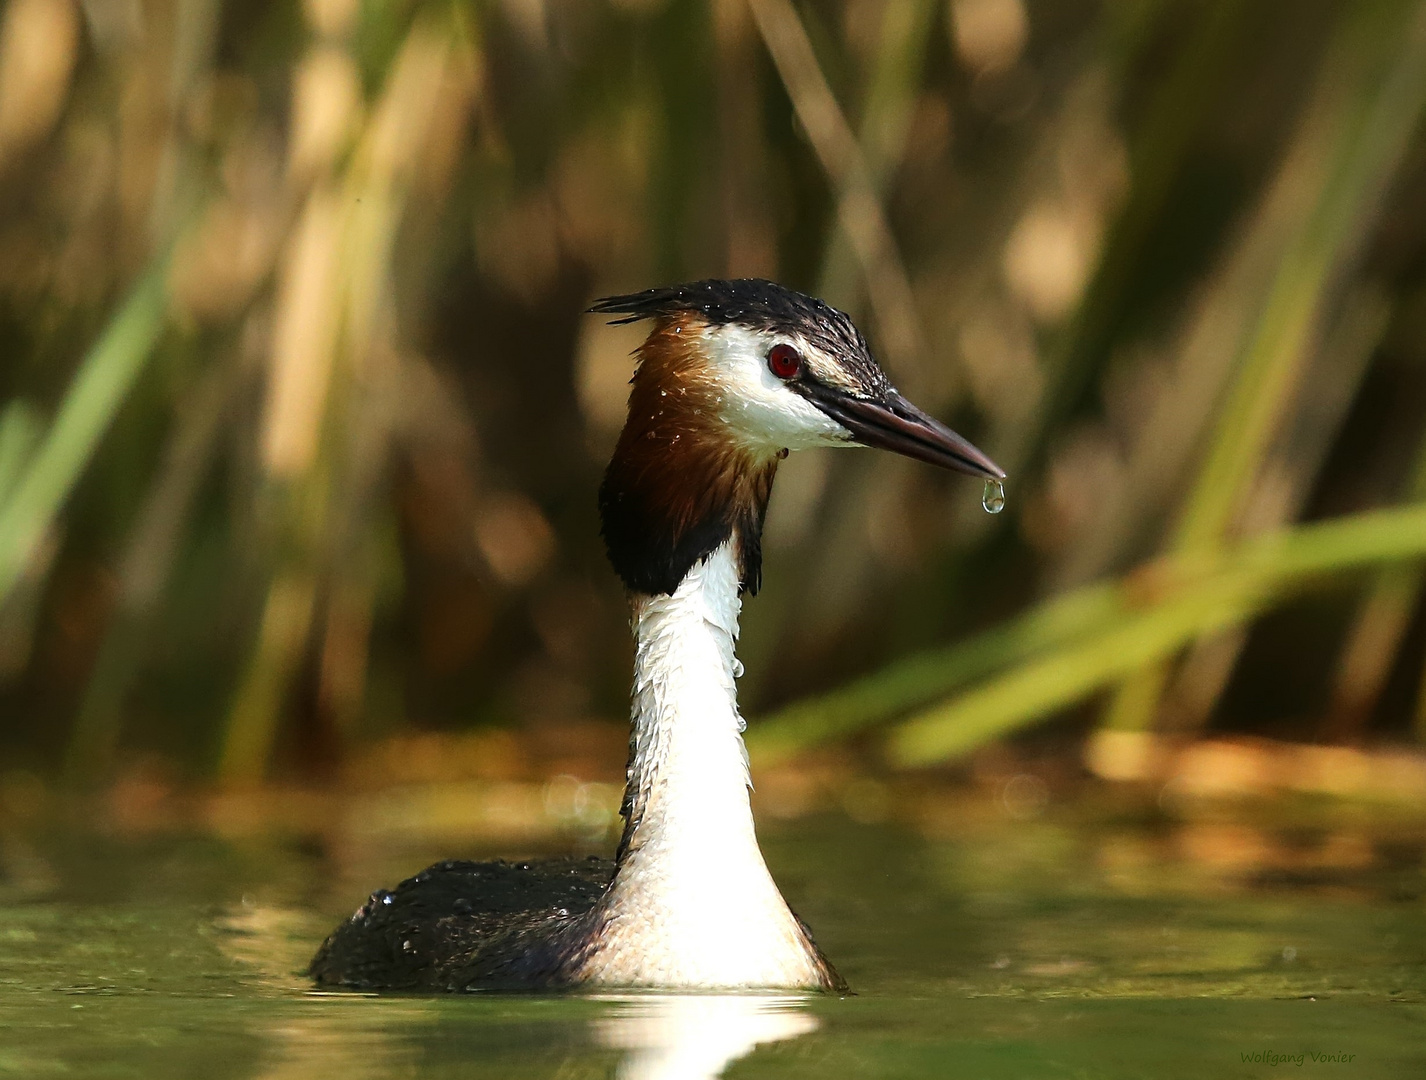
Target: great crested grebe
{"x":732,"y":376}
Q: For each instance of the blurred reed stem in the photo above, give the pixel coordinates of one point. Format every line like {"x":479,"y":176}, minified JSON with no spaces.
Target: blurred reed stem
{"x":1352,"y":135}
{"x":926,"y":676}
{"x":1419,"y":719}
{"x":20,"y":430}
{"x":1327,"y":388}
{"x":278,"y":653}
{"x":153,"y":545}
{"x":1188,"y":595}
{"x":1374,"y":640}
{"x":859,"y":209}
{"x":1178,"y":106}
{"x":887,"y":108}
{"x":335,"y":321}
{"x":98,"y":390}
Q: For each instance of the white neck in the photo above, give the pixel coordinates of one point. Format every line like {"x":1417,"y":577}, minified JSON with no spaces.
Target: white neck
{"x":692,"y":903}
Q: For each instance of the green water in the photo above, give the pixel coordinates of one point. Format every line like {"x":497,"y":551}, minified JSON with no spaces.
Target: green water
{"x":1051,"y":948}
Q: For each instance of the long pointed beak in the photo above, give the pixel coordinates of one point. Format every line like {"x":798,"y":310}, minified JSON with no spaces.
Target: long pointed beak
{"x":897,"y":425}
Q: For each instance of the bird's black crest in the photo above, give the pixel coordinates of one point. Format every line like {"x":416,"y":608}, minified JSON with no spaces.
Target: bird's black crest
{"x":757,"y":305}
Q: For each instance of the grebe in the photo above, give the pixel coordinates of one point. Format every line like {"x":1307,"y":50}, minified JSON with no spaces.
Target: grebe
{"x":732,"y":376}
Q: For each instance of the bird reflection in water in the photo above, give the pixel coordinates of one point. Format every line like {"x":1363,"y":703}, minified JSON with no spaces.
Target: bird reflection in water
{"x":696,"y":1036}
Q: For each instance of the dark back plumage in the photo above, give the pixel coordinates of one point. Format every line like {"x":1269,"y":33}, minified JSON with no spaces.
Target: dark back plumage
{"x":459,"y":926}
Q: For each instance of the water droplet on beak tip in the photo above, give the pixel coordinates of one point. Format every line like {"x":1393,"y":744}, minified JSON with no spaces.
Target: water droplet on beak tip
{"x":993,"y":498}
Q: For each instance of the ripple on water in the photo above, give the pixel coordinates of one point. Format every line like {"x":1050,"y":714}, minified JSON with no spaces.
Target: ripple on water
{"x":1008,"y":947}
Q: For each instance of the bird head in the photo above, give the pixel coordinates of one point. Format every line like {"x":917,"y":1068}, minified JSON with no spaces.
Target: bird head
{"x":734,"y":375}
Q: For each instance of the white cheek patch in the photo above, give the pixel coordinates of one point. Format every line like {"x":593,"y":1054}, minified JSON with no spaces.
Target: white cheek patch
{"x":756,"y":404}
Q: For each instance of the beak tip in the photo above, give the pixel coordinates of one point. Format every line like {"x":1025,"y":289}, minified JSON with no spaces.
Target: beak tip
{"x":977,"y":463}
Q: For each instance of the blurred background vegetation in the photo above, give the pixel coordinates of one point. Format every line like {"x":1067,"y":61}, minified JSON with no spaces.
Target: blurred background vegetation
{"x":301,"y":421}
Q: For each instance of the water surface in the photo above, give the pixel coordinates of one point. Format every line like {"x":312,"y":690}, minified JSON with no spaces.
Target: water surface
{"x":1072,"y":945}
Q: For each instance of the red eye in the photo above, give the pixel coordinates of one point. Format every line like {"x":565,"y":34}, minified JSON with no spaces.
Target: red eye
{"x":784,"y":361}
